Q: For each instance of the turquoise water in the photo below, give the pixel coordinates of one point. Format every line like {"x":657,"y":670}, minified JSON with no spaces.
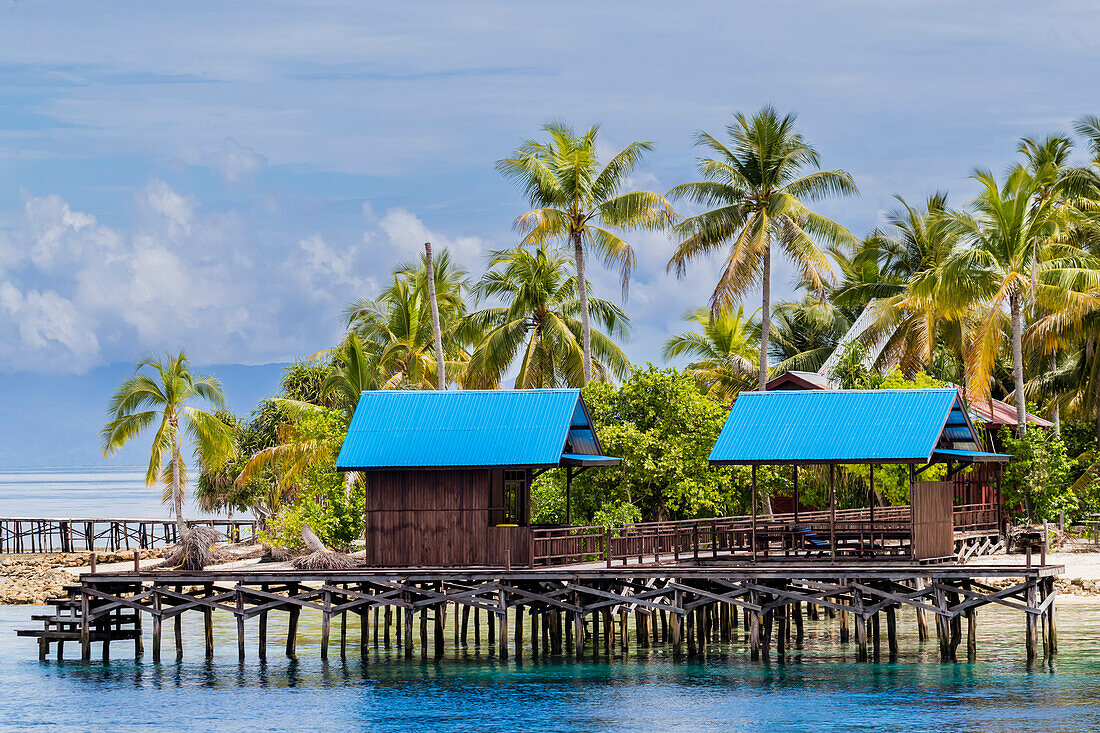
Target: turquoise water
{"x":818,"y":688}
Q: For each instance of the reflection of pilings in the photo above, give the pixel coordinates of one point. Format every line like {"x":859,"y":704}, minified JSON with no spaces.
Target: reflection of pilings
{"x":696,"y":606}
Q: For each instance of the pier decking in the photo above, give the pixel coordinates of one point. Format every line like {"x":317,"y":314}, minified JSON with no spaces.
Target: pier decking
{"x":572,"y":609}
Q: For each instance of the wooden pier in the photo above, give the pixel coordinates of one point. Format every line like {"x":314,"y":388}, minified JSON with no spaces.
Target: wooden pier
{"x":85,"y":534}
{"x":575,"y":610}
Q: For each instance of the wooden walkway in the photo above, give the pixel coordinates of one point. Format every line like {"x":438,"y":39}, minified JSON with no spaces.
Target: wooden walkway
{"x":84,"y":534}
{"x":571,"y":610}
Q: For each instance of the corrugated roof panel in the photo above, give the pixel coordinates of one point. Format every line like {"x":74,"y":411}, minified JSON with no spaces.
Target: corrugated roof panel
{"x":430,"y":429}
{"x":829,"y":426}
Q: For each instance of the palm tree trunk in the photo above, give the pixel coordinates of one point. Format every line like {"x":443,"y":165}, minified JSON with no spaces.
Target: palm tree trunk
{"x":1057,"y":411}
{"x":1018,"y":365}
{"x":177,"y":491}
{"x":441,"y":374}
{"x":765,"y":315}
{"x":582,"y":295}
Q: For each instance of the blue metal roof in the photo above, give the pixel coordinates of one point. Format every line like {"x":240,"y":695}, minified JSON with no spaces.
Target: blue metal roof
{"x":843,"y":426}
{"x":466,"y":428}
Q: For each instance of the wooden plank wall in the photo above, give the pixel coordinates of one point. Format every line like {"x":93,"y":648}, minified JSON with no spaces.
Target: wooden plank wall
{"x":933,"y":521}
{"x":436,"y":518}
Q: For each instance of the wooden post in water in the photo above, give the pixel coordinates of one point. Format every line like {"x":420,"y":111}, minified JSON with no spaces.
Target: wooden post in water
{"x":156,"y":628}
{"x":892,"y":632}
{"x":292,"y":625}
{"x":408,"y":642}
{"x":424,"y":632}
{"x":502,"y":616}
{"x":364,"y":630}
{"x":861,"y":625}
{"x":1032,"y":624}
{"x":578,"y":634}
{"x":465,"y":624}
{"x":208,"y":630}
{"x":440,"y":627}
{"x":240,"y":622}
{"x":675,"y":620}
{"x":754,"y":626}
{"x":177,"y":622}
{"x":1052,"y":619}
{"x":922,"y":618}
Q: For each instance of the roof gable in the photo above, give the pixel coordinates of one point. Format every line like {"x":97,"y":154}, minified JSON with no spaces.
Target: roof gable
{"x":466,"y":428}
{"x":843,"y":426}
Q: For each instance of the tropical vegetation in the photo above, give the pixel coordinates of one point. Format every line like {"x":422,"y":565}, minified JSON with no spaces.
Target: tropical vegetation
{"x":999,"y":295}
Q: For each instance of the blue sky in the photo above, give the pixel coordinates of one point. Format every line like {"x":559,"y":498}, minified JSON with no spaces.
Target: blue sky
{"x":223,"y":177}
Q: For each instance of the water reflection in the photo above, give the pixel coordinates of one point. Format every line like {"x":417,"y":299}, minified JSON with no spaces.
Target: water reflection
{"x":815,"y":685}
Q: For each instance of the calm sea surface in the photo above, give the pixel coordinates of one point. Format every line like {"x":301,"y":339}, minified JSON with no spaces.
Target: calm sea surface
{"x":819,"y":688}
{"x":93,"y":492}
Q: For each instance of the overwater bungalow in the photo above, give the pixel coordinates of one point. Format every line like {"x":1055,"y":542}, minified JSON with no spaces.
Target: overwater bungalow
{"x":448,"y":474}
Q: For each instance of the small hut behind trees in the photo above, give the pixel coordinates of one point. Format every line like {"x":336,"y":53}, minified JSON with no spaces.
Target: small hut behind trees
{"x":448,"y":473}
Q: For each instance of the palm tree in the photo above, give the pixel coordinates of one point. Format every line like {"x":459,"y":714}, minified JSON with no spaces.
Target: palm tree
{"x":579,"y":202}
{"x":725,"y":350}
{"x":758,"y":185}
{"x":912,"y":304}
{"x":354,"y":371}
{"x":805,"y":333}
{"x":538,"y":317}
{"x":396,"y":327}
{"x":1006,"y":227}
{"x":164,"y":393}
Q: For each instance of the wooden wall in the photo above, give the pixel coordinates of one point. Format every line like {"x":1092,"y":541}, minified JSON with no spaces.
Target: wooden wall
{"x":933,"y":520}
{"x":437,"y":518}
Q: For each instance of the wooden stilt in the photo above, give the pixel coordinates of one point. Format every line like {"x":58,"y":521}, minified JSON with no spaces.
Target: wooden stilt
{"x":386,"y":621}
{"x":262,"y":636}
{"x":922,"y":618}
{"x":845,"y":634}
{"x":440,"y":627}
{"x":292,"y":630}
{"x":1032,"y":624}
{"x":477,"y":628}
{"x":177,"y":622}
{"x":465,"y":624}
{"x":892,"y":631}
{"x":364,"y":632}
{"x":943,"y":630}
{"x":502,"y":636}
{"x":424,"y":633}
{"x":156,"y":629}
{"x":408,"y":642}
{"x":674,"y":622}
{"x":492,"y":621}
{"x":875,"y":638}
{"x":517,"y":628}
{"x":578,"y":634}
{"x":608,"y":632}
{"x":208,"y":630}
{"x":240,"y":624}
{"x":754,"y":626}
{"x":343,"y":635}
{"x":534,"y":633}
{"x":861,"y":625}
{"x":1052,"y":616}
{"x":689,"y":620}
{"x":781,"y":633}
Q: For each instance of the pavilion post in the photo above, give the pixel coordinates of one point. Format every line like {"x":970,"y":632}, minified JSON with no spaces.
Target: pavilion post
{"x":568,"y":492}
{"x":753,"y":534}
{"x":832,"y":509}
{"x":796,"y":494}
{"x":872,"y":497}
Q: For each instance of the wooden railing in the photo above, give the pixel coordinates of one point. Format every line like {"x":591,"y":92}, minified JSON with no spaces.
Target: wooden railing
{"x":671,"y":540}
{"x":38,"y":534}
{"x":976,"y":518}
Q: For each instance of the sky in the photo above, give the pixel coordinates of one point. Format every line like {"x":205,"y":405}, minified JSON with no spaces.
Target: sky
{"x":224,"y":177}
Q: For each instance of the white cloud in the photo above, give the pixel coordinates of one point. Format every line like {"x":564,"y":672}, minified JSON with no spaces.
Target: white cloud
{"x":407,"y":235}
{"x":42,"y":330}
{"x":56,"y":232}
{"x":236,"y":163}
{"x":324,"y":264}
{"x":177,"y":210}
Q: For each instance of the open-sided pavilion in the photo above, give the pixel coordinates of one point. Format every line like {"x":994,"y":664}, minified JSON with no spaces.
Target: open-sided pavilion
{"x":830,"y":428}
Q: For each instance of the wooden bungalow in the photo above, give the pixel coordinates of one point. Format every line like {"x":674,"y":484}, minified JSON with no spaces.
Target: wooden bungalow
{"x":815,"y":427}
{"x":448,"y":474}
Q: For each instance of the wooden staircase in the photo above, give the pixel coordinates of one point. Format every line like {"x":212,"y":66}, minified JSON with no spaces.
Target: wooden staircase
{"x":66,"y":623}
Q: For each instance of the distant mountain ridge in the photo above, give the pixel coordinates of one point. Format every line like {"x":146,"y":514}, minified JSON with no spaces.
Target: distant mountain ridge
{"x":53,"y":421}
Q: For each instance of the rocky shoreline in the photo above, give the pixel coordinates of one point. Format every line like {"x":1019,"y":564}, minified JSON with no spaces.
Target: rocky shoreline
{"x":36,"y":578}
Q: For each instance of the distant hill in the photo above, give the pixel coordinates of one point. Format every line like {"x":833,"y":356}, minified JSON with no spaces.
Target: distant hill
{"x":54,"y":420}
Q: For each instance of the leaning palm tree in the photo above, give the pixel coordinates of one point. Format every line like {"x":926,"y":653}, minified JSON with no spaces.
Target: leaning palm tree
{"x":163,"y":394}
{"x":1010,"y":230}
{"x":758,"y":186}
{"x":578,"y":201}
{"x":724,"y":349}
{"x":537,"y":322}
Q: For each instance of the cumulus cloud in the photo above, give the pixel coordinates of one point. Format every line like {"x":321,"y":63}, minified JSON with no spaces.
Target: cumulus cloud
{"x":407,"y":234}
{"x":235,"y":163}
{"x":75,"y":292}
{"x":43,"y":330}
